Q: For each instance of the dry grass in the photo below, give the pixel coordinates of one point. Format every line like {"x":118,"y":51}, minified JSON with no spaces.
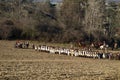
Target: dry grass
{"x":27,"y":64}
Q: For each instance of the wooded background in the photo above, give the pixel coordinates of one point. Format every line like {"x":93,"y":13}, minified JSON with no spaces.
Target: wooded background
{"x":68,"y":21}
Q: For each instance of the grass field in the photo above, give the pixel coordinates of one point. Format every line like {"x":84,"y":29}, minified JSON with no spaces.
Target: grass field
{"x":27,"y":64}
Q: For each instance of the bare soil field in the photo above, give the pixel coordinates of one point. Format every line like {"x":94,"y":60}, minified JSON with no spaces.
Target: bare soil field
{"x":28,"y":64}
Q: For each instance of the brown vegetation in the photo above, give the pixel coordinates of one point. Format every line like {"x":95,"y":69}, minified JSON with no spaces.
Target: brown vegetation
{"x":72,"y":20}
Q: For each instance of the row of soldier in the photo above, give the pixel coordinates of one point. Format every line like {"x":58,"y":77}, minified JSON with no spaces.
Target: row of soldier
{"x":87,"y":53}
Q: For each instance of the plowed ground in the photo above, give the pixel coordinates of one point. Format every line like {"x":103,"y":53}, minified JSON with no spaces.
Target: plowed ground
{"x":27,"y":64}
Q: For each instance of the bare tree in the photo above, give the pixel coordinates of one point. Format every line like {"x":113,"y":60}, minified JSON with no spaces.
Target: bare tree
{"x":71,"y":19}
{"x":94,"y":18}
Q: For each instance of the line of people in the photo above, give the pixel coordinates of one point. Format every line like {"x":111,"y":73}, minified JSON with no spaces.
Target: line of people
{"x":87,"y":53}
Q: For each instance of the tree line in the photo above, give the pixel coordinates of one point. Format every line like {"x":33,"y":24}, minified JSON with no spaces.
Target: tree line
{"x":69,"y":21}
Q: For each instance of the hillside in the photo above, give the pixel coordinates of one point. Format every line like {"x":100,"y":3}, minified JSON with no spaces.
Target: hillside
{"x":64,"y":23}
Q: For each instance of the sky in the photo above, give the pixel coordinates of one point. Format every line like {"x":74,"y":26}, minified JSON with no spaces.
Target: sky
{"x":50,"y":0}
{"x":61,"y":0}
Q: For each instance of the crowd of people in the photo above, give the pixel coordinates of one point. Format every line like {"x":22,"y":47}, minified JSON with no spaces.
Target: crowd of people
{"x":78,"y":52}
{"x":87,"y":53}
{"x":22,"y":44}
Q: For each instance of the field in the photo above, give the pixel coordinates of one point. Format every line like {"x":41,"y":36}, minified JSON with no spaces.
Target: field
{"x":27,"y":64}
